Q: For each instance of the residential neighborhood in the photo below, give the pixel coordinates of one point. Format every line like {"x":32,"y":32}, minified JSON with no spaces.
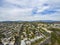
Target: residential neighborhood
{"x":27,"y":33}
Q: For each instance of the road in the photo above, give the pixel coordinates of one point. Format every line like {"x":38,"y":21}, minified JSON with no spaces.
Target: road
{"x":47,"y":40}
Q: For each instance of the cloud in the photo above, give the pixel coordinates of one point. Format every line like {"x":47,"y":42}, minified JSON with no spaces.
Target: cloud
{"x":27,"y":3}
{"x":38,"y":10}
{"x":28,"y":10}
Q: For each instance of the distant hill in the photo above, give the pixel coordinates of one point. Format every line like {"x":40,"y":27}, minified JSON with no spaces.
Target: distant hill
{"x":47,"y":21}
{"x":44,"y":21}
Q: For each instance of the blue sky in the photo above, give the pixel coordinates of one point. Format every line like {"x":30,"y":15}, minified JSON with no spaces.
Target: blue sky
{"x":29,"y":10}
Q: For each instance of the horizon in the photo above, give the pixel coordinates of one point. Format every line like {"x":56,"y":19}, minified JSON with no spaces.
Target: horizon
{"x":33,"y":21}
{"x":29,"y":10}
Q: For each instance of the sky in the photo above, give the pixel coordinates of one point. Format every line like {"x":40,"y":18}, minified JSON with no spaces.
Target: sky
{"x":29,"y":10}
